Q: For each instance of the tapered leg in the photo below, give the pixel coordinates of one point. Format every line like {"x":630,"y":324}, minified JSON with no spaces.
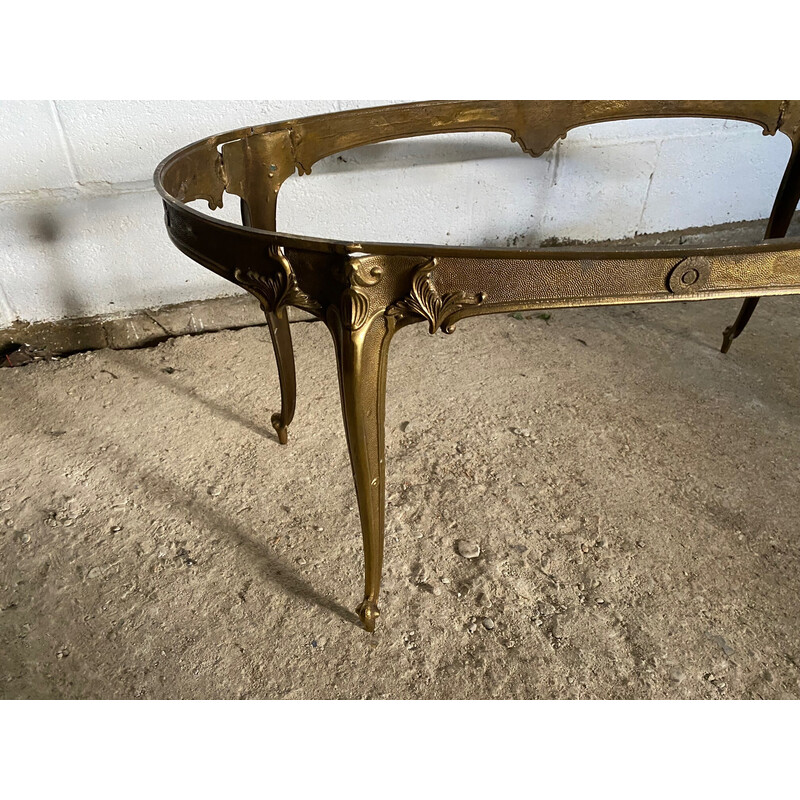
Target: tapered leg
{"x":362,"y":356}
{"x":278,"y":323}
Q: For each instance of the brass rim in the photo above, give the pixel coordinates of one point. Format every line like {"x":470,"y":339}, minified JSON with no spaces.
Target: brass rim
{"x":324,"y":135}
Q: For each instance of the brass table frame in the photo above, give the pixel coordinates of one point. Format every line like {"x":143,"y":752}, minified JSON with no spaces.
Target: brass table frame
{"x":364,"y":292}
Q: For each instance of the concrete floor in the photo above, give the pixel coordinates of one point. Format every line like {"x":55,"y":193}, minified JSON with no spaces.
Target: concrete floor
{"x":633,"y":492}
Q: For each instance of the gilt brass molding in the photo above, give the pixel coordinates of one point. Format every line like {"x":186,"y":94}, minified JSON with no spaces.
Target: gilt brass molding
{"x":278,"y":288}
{"x":362,"y":270}
{"x":358,"y":273}
{"x":427,"y":302}
{"x":689,"y":275}
{"x":365,"y":291}
{"x":355,"y":309}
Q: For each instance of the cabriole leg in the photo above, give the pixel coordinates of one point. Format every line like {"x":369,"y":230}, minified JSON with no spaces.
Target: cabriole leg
{"x":261,"y":213}
{"x":278,"y":323}
{"x":779,"y":220}
{"x":361,"y":357}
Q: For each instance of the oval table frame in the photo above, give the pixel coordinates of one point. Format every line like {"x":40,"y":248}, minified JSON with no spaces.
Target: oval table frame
{"x":364,"y":291}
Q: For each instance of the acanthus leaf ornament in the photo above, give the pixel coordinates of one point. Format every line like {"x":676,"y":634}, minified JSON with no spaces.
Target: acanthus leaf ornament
{"x":355,"y":308}
{"x":426,"y":301}
{"x":357,"y":271}
{"x":280,"y":288}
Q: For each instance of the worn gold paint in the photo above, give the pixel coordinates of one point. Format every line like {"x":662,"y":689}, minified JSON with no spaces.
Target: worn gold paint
{"x":364,"y":292}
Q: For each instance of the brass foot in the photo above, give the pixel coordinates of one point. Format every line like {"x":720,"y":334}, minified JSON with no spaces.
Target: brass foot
{"x":280,"y":428}
{"x":732,"y":331}
{"x":368,"y":613}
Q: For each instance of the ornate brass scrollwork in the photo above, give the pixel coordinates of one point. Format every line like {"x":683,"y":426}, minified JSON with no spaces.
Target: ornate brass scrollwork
{"x":277,"y":289}
{"x":355,"y":309}
{"x":426,"y":301}
{"x":358,"y":272}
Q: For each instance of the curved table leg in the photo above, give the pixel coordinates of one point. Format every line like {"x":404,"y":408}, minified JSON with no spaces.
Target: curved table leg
{"x":278,"y":323}
{"x":732,"y":331}
{"x":779,"y":220}
{"x":361,"y":357}
{"x":262,"y":214}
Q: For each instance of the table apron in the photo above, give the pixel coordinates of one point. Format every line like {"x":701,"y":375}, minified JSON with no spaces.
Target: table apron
{"x":508,"y":285}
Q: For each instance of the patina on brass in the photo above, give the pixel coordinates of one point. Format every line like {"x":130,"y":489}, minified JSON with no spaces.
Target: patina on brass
{"x":364,"y":292}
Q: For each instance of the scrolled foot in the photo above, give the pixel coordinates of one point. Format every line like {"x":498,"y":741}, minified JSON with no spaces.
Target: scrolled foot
{"x":280,"y":428}
{"x":732,"y":331}
{"x":368,"y":614}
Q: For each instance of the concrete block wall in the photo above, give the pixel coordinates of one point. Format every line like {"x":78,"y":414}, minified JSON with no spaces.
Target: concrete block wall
{"x":81,"y":228}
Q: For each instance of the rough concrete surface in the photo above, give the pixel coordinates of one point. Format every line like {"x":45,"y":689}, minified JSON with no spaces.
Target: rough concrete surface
{"x":633,"y":494}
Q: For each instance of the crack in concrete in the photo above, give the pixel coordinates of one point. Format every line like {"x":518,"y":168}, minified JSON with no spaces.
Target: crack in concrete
{"x":153,"y":319}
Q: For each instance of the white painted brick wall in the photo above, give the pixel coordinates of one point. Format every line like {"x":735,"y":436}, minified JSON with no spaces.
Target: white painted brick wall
{"x":81,"y":228}
{"x":32,"y":152}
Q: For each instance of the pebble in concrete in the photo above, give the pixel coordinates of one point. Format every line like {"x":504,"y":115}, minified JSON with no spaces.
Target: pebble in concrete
{"x":468,"y":549}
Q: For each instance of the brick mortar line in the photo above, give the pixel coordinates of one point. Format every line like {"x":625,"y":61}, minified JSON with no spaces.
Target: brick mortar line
{"x":110,"y":188}
{"x":62,"y":135}
{"x":80,"y":190}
